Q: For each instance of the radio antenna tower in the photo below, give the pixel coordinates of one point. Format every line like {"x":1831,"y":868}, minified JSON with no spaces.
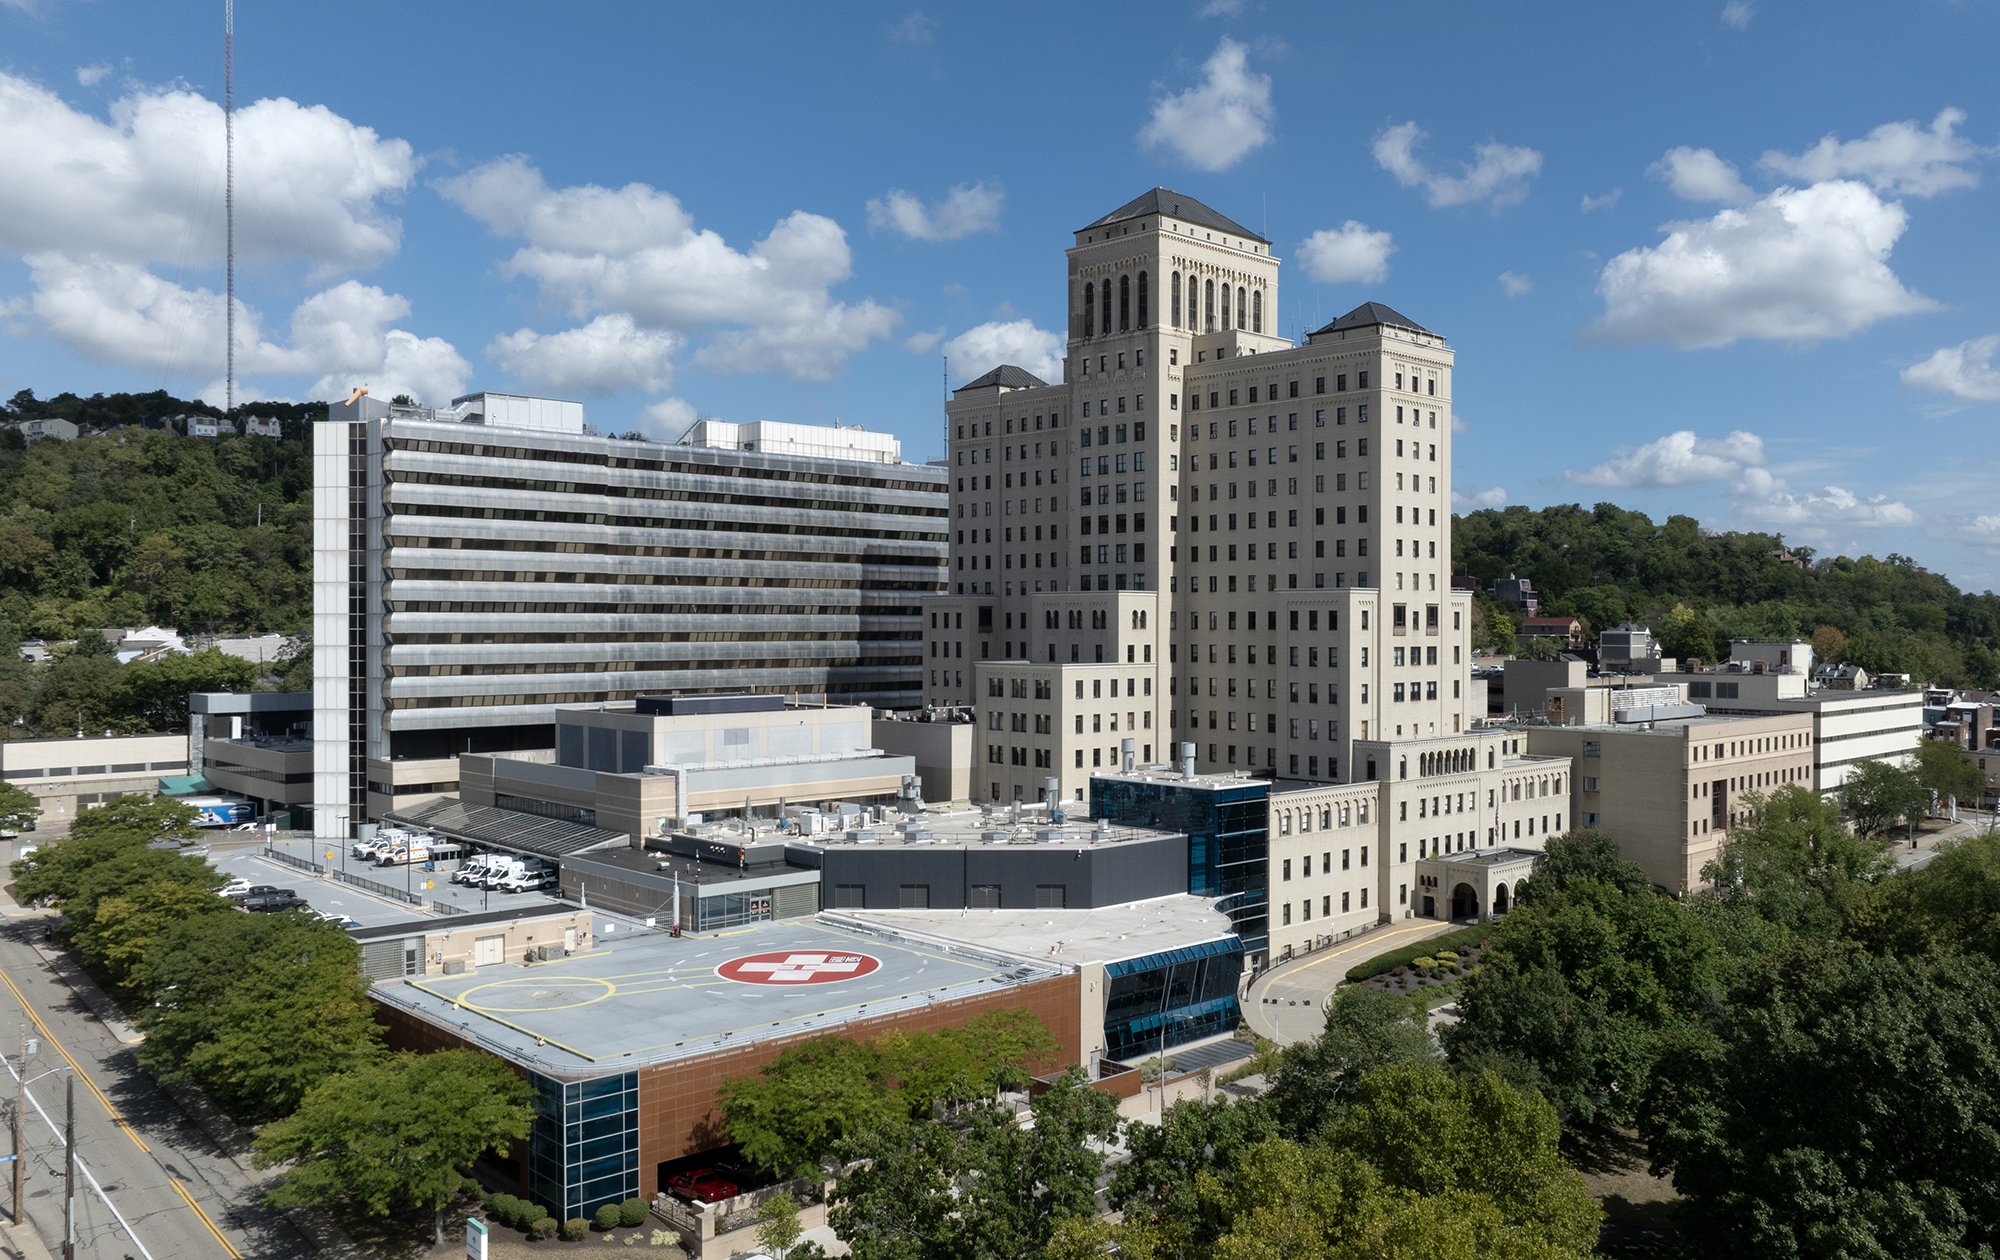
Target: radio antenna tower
{"x":229,"y":201}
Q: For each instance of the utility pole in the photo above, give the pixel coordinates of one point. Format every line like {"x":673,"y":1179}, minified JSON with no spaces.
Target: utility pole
{"x":69,"y":1173}
{"x":20,"y":1101}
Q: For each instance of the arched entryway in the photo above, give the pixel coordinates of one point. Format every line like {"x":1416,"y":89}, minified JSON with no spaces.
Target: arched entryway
{"x":1464,"y":902}
{"x":1500,"y":899}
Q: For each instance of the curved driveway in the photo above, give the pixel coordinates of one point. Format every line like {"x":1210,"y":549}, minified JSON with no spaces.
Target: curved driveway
{"x":1285,"y":1003}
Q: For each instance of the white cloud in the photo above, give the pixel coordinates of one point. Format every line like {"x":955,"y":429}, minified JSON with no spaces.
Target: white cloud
{"x":1214,"y":124}
{"x":608,"y":354}
{"x":1897,"y":157}
{"x":91,"y":76}
{"x":636,"y":251}
{"x":923,"y":342}
{"x":667,"y":419}
{"x":1798,"y":265}
{"x":1965,"y":370}
{"x":1464,"y":501}
{"x":977,"y":351}
{"x":1347,"y":254}
{"x":1678,"y":459}
{"x":1699,"y":175}
{"x":1458,"y":424}
{"x":1500,"y":175}
{"x":968,"y":208}
{"x":1605,"y":202}
{"x":917,"y":28}
{"x":1769,"y":501}
{"x":1222,"y":8}
{"x":1515,"y":285}
{"x":1737,"y":13}
{"x":309,"y":184}
{"x":117,"y":312}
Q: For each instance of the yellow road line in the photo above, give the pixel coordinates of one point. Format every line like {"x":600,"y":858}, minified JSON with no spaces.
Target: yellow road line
{"x":189,"y":1199}
{"x":76,"y":1067}
{"x":1370,"y":939}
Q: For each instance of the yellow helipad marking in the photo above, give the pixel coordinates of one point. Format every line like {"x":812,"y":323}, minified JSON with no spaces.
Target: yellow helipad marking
{"x":536,"y":985}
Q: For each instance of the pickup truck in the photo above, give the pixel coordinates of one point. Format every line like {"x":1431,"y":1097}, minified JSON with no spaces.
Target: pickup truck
{"x":273,"y":901}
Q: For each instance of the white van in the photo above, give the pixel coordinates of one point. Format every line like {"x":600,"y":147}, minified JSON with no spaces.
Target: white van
{"x":529,"y":880}
{"x":474,"y":868}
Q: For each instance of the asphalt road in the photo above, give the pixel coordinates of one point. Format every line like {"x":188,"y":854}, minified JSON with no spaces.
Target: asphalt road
{"x":323,"y":892}
{"x":179,"y":1192}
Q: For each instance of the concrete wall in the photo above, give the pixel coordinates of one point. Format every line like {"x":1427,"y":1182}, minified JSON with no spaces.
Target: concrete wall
{"x":66,"y":773}
{"x":943,"y":753}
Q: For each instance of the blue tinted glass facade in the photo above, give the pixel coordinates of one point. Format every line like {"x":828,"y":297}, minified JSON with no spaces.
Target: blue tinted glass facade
{"x":1169,"y":999}
{"x":583,"y":1150}
{"x":1229,"y":839}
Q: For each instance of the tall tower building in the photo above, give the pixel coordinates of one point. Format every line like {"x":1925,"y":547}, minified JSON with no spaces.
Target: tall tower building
{"x":1205,"y":533}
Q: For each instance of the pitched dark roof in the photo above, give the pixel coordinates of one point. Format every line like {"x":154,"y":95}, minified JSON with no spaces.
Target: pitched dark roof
{"x":1174,"y":205}
{"x":1369,"y":314}
{"x":1006,"y":376}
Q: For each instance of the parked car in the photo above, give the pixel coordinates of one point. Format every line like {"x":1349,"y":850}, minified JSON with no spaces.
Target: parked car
{"x":701,"y":1185}
{"x":252,"y":890}
{"x":528,"y":881}
{"x":336,"y":918}
{"x":238,"y":887}
{"x":273,"y":902}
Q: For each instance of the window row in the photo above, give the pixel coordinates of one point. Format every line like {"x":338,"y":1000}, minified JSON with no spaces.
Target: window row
{"x":1248,"y":307}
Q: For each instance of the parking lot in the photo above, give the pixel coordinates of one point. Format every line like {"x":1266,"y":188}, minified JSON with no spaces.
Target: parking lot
{"x":324,"y":891}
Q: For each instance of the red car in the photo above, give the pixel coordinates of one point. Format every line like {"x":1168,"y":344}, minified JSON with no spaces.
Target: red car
{"x":701,"y":1185}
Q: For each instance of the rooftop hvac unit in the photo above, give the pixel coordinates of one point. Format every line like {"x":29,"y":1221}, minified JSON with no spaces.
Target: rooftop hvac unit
{"x":993,"y":837}
{"x":1052,"y":834}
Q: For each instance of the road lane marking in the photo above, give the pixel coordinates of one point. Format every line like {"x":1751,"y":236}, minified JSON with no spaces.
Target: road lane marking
{"x":76,"y":1067}
{"x":189,"y":1200}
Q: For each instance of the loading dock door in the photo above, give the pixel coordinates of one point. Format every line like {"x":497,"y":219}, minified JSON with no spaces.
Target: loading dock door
{"x":487,"y":951}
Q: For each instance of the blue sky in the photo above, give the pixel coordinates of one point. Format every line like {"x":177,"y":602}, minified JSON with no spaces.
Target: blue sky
{"x":1735,"y":261}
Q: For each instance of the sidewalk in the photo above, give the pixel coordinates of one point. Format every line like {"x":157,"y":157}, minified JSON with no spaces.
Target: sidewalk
{"x":1285,"y":1003}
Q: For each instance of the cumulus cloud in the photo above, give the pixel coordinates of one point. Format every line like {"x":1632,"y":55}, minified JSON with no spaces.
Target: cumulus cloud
{"x":977,"y":351}
{"x":1799,"y":265}
{"x":1347,"y":254}
{"x":966,"y":209}
{"x":1737,"y":14}
{"x":1699,"y":175}
{"x":667,"y":419}
{"x":309,"y":184}
{"x":1965,"y":371}
{"x":91,"y":76}
{"x":1215,"y":123}
{"x":1899,"y":157}
{"x":1678,"y":459}
{"x":1468,"y":501}
{"x":608,"y":354}
{"x":1222,"y":8}
{"x":635,"y":251}
{"x":1605,"y":202}
{"x":1515,"y":285}
{"x":1740,"y":462}
{"x":923,"y":342}
{"x":1500,"y":175}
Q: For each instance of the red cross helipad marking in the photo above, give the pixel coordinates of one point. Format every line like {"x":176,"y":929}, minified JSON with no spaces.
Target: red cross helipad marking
{"x":791,"y":968}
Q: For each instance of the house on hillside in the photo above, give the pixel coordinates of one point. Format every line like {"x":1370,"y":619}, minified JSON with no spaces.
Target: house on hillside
{"x":1568,"y":630}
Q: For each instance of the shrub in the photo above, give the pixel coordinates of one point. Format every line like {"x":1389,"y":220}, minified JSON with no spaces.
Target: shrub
{"x":544,"y":1227}
{"x":576,"y":1229}
{"x":505,"y":1210}
{"x":1397,"y":959}
{"x":531,"y":1214}
{"x":633,"y":1212}
{"x":608,"y":1216}
{"x":470,"y":1189}
{"x":664,"y":1238}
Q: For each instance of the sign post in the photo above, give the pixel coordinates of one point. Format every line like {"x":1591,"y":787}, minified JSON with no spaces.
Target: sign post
{"x":475,"y":1239}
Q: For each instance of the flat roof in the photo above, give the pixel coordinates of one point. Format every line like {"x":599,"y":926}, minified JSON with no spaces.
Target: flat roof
{"x":651,"y":998}
{"x":453,"y":922}
{"x":1172,"y":774}
{"x":1072,"y":937}
{"x":970,"y":827}
{"x":692,"y":872}
{"x":1485,"y":857}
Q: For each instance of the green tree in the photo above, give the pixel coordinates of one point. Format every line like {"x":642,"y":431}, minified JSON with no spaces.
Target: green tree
{"x":988,"y":1053}
{"x":89,"y":643}
{"x":1944,"y":768}
{"x":18,"y":809}
{"x":778,"y":1225}
{"x":1366,"y":1028}
{"x":1688,"y":635}
{"x":1829,"y":645}
{"x":1840,"y":1106}
{"x":1585,"y":855}
{"x":1194,"y":1143}
{"x":1950,"y":905}
{"x":1791,"y":861}
{"x":127,"y":923}
{"x":1878,"y":795}
{"x":399,"y":1132}
{"x":791,"y":1116}
{"x":155,"y":697}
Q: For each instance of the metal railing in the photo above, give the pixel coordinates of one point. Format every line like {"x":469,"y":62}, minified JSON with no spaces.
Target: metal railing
{"x":366,"y":885}
{"x":445,"y":907}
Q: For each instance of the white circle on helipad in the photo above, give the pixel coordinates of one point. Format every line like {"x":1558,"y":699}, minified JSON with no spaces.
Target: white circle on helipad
{"x":787,"y":967}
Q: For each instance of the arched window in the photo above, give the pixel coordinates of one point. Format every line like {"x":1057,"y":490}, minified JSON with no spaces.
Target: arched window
{"x":1257,"y":311}
{"x":1177,"y":299}
{"x":1208,"y":304}
{"x":1225,"y":308}
{"x":1104,"y":312}
{"x":1240,"y":304}
{"x":1143,"y":311}
{"x":1125,"y":303}
{"x":1089,"y":309}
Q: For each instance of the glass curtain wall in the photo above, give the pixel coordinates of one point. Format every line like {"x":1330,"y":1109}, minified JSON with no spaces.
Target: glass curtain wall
{"x":583,"y":1150}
